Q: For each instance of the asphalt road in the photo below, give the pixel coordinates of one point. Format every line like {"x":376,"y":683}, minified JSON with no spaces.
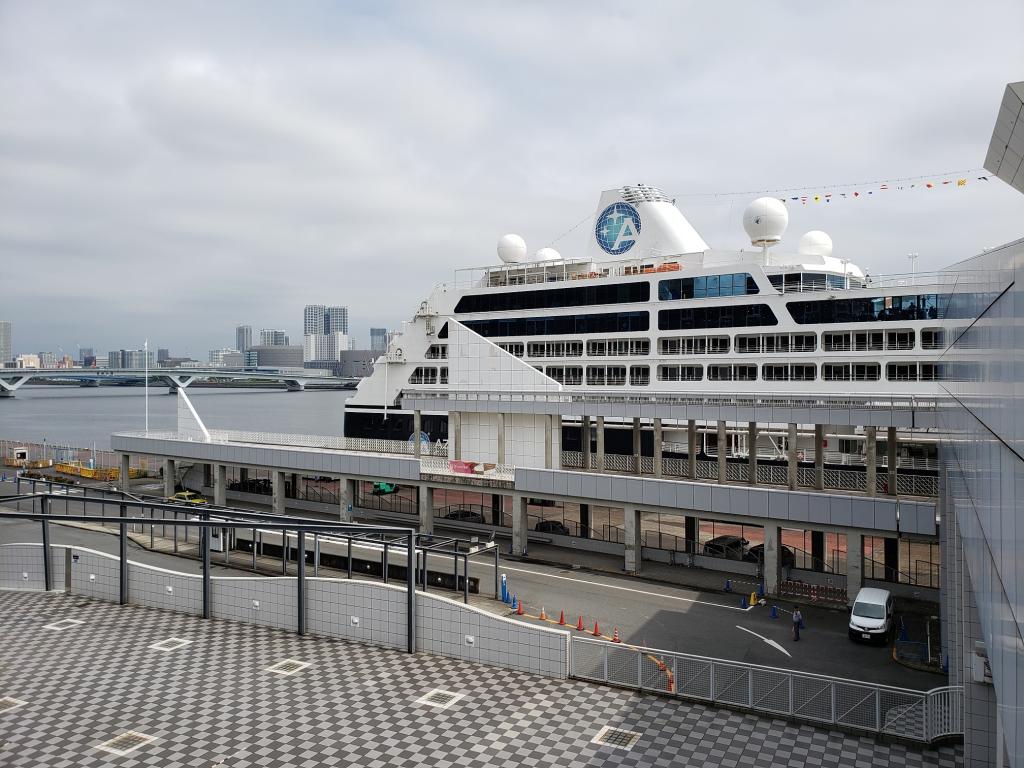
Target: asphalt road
{"x":649,"y":614}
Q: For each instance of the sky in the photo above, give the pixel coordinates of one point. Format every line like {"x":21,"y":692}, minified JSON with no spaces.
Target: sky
{"x":171,"y":170}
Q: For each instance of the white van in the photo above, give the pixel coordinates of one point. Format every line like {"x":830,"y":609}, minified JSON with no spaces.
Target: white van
{"x":871,"y":617}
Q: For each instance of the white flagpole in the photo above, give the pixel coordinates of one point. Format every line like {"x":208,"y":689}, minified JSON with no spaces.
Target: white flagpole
{"x":146,"y":362}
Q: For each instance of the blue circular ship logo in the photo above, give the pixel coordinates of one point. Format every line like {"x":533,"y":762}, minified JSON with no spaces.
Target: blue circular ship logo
{"x":617,"y":228}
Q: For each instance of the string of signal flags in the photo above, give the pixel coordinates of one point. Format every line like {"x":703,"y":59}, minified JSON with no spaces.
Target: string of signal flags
{"x":830,"y":193}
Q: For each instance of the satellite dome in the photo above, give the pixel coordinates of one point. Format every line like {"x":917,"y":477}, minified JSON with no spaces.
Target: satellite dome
{"x":547,"y":254}
{"x":512,"y":249}
{"x":765,"y":220}
{"x":815,"y":243}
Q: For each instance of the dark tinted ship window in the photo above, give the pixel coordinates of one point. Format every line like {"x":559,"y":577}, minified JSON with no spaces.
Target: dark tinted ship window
{"x":610,"y":322}
{"x":739,"y":316}
{"x":707,"y":286}
{"x":584,"y":296}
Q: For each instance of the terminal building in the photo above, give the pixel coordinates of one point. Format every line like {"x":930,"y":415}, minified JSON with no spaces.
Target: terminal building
{"x":782,"y":415}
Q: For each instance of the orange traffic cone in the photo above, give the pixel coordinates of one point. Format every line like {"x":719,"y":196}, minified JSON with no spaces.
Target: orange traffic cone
{"x":543,"y":616}
{"x":597,"y":632}
{"x":561,"y":618}
{"x":519,"y":610}
{"x":615,"y":636}
{"x":579,"y":625}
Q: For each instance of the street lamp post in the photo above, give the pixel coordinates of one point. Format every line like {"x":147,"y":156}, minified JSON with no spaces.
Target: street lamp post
{"x":145,"y":362}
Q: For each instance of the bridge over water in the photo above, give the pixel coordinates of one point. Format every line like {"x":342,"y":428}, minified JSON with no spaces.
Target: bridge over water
{"x":12,"y":379}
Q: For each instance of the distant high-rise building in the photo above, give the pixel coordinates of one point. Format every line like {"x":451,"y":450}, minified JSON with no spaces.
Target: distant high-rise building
{"x":243,"y":337}
{"x":379,"y":340}
{"x":27,"y":361}
{"x":129,"y":358}
{"x":323,"y":347}
{"x":336,"y":320}
{"x":6,"y":351}
{"x":163,"y":355}
{"x":270,"y":337}
{"x":321,"y":319}
{"x":47,"y":360}
{"x":84,"y":352}
{"x":226,"y":358}
{"x":274,"y":356}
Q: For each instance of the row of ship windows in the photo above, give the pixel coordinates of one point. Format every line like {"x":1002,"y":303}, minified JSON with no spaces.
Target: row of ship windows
{"x":881,"y":309}
{"x":761,"y":343}
{"x":640,"y":375}
{"x":675,"y":289}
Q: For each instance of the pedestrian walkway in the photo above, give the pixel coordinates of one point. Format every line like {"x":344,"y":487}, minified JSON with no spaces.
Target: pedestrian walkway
{"x":214,"y":702}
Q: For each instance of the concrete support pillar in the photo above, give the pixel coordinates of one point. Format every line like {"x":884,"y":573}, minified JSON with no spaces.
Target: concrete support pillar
{"x":770,"y":567}
{"x":295,"y":486}
{"x":791,"y":457}
{"x":691,"y":449}
{"x":892,"y":460}
{"x":501,"y":438}
{"x":599,"y":463}
{"x":584,"y":521}
{"x":455,"y":430}
{"x":692,"y":527}
{"x":819,"y":456}
{"x":870,"y":459}
{"x":634,"y":540}
{"x":123,"y":478}
{"x":220,"y":485}
{"x":426,"y":507}
{"x":556,"y":421}
{"x":277,"y":486}
{"x":818,"y":550}
{"x":854,"y":564}
{"x":638,"y":459}
{"x":520,"y":525}
{"x":169,"y":478}
{"x":585,"y":441}
{"x":548,"y":437}
{"x":346,"y":499}
{"x":752,"y":452}
{"x":723,"y":451}
{"x":657,"y":447}
{"x":417,"y":427}
{"x":207,"y":475}
{"x":497,"y":507}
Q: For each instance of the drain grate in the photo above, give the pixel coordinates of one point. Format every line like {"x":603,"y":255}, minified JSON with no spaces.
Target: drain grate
{"x":439,"y":699}
{"x":127,"y":742}
{"x":287,"y":667}
{"x":63,"y":624}
{"x":170,"y":644}
{"x":616,"y":738}
{"x":7,"y":703}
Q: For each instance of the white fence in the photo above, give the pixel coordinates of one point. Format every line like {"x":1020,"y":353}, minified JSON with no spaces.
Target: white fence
{"x":921,"y":716}
{"x":361,"y":444}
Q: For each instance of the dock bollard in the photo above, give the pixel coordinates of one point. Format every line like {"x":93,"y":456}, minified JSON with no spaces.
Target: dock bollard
{"x":774,"y":613}
{"x":728,"y":585}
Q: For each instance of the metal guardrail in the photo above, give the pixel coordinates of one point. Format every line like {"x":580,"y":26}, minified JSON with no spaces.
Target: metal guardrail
{"x":921,"y":716}
{"x":889,"y":401}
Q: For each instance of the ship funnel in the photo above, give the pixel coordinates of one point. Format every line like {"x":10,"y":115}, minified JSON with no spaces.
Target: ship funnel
{"x":641,"y":222}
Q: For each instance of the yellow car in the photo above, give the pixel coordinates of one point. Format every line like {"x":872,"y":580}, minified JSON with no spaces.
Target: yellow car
{"x":187,"y":497}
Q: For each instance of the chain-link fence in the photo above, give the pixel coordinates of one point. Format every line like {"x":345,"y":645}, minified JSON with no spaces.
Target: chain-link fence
{"x":857,"y":706}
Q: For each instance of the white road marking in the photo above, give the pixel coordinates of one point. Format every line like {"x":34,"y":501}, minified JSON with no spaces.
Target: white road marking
{"x":772,"y":643}
{"x":625,"y":589}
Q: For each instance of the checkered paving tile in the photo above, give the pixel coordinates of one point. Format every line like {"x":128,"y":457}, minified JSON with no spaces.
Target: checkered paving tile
{"x":210,"y":703}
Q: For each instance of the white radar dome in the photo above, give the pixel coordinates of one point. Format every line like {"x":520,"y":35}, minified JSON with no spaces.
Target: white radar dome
{"x":512,"y":249}
{"x":547,"y":254}
{"x":765,"y":220}
{"x":815,"y":243}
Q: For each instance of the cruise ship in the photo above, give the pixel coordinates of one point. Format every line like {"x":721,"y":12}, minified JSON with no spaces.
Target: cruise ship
{"x":651,"y":308}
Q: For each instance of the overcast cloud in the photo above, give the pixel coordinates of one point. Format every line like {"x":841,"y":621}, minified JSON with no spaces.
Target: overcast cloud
{"x":169,"y":170}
